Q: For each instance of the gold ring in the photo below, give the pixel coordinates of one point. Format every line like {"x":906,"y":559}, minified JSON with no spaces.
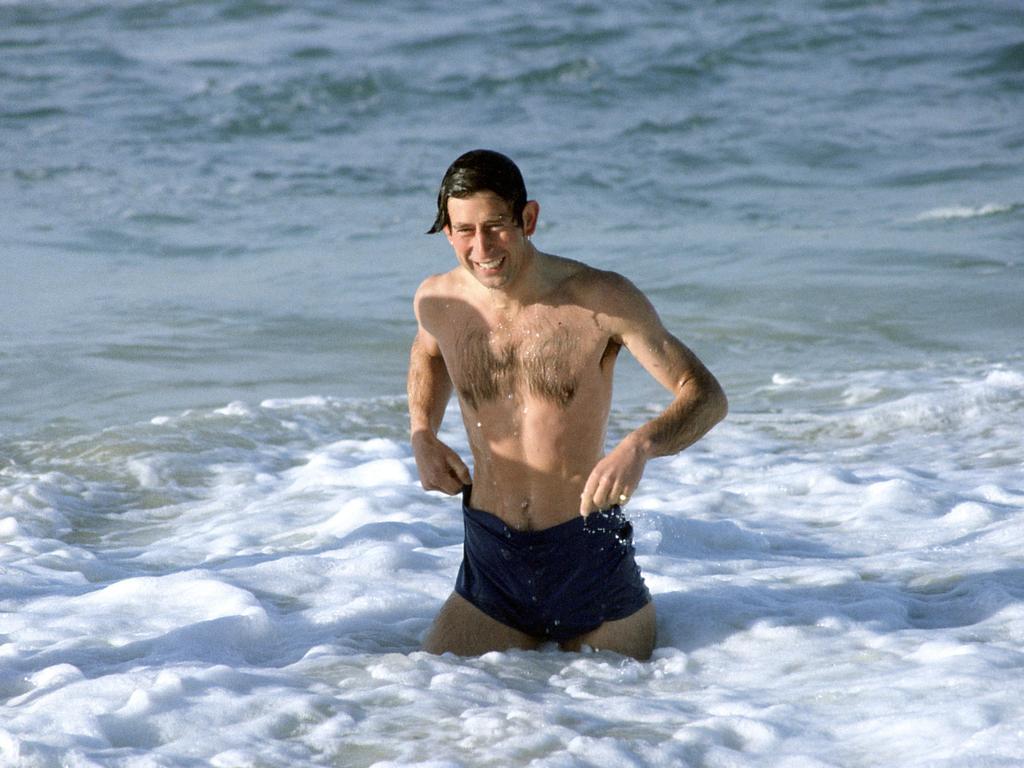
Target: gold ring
{"x":623,"y":497}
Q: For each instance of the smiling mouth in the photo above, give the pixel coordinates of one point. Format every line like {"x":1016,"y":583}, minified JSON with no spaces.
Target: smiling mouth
{"x":489,"y":266}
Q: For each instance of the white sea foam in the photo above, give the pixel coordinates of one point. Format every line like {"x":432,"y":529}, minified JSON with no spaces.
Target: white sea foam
{"x":842,"y":594}
{"x":947,"y":213}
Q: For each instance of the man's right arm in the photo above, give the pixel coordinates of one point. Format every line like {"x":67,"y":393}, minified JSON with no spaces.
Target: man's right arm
{"x":429,"y":389}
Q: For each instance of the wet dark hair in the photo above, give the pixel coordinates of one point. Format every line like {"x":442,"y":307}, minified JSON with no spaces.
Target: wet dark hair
{"x":481,"y":170}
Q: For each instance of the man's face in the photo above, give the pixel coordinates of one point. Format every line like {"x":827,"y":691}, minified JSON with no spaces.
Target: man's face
{"x":487,"y":241}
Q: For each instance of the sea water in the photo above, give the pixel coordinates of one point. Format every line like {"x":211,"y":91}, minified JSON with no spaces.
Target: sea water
{"x":214,"y":549}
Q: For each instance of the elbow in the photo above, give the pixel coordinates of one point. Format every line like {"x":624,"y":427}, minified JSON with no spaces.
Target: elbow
{"x":722,"y":404}
{"x":704,"y":397}
{"x":716,"y":404}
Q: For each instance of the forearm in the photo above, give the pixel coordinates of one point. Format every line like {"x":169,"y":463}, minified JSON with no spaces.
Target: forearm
{"x":700,"y":403}
{"x":429,"y":388}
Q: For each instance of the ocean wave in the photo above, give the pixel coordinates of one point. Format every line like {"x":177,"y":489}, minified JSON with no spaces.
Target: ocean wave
{"x":325,"y":102}
{"x":892,"y":411}
{"x":953,"y":212}
{"x":965,"y":408}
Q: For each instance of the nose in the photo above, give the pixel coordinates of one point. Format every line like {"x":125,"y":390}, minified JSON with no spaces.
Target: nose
{"x":481,"y":241}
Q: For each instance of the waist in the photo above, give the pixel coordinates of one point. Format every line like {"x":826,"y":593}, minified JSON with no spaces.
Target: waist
{"x":527,"y":526}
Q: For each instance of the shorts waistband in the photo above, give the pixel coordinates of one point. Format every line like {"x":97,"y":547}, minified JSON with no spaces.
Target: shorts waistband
{"x":608,"y":520}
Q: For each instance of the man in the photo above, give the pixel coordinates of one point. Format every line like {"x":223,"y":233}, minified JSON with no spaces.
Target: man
{"x":529,"y":340}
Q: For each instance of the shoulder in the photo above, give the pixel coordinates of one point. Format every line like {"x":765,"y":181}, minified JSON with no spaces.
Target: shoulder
{"x":440,"y":284}
{"x":616,"y":303}
{"x":441,"y":303}
{"x":602,"y":290}
{"x":435,"y":288}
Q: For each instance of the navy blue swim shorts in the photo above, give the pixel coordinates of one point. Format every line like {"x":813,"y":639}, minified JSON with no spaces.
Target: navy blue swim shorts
{"x":556,"y":584}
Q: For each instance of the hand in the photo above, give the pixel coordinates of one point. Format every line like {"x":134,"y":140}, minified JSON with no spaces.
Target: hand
{"x":439,"y":466}
{"x":614,"y":478}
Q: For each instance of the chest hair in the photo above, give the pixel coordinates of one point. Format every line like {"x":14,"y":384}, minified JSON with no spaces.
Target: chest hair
{"x":544,"y":362}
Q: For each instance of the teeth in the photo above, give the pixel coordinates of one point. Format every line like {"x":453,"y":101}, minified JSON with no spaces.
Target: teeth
{"x":489,"y":264}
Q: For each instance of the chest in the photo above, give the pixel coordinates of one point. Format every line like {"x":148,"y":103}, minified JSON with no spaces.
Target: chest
{"x":537,"y":357}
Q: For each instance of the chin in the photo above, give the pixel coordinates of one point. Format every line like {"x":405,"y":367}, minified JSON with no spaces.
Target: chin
{"x":492,"y":282}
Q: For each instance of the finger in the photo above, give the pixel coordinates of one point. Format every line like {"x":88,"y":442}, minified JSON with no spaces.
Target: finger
{"x":587,"y":506}
{"x":453,"y":483}
{"x":444,"y":483}
{"x":452,"y":486}
{"x":602,"y":493}
{"x":590,"y":500}
{"x":587,"y":500}
{"x":427,"y":479}
{"x":461,"y":471}
{"x":442,"y":478}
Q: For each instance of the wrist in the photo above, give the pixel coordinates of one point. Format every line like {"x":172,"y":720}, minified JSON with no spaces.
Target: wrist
{"x":640,"y":446}
{"x":421,"y":434}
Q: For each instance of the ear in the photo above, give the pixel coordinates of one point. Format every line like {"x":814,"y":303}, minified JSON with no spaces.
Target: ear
{"x":447,"y":229}
{"x":531,"y":212}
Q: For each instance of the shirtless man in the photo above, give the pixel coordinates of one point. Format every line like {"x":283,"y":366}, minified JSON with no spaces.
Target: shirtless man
{"x":529,"y":340}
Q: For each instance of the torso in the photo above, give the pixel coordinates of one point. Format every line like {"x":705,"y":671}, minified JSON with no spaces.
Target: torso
{"x":534,"y":386}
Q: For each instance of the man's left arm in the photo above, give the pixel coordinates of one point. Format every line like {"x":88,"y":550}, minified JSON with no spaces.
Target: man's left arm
{"x":698,"y":403}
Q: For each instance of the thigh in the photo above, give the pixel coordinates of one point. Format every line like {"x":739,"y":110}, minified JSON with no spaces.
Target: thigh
{"x":463,"y":629}
{"x":631,"y":636}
